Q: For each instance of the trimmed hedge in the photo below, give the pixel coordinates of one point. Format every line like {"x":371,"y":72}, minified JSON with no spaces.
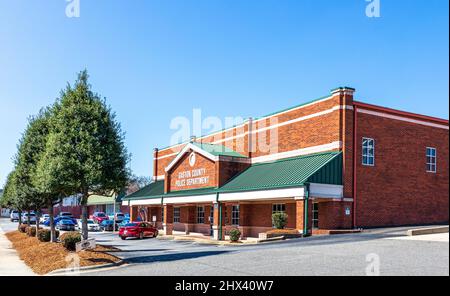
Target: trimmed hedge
{"x":279,"y":220}
{"x":31,"y":231}
{"x":44,"y":235}
{"x":23,"y":228}
{"x":69,"y":240}
{"x":234,"y":234}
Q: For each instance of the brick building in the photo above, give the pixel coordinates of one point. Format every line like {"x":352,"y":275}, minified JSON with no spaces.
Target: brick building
{"x":333,"y":163}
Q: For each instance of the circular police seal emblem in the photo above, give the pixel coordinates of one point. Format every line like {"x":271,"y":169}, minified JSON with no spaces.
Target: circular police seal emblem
{"x":192,"y":159}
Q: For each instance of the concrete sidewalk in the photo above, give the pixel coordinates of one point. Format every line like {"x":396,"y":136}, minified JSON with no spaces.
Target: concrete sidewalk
{"x":10,"y":263}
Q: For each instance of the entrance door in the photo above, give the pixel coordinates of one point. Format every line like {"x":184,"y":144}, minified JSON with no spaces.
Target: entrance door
{"x":315,"y":215}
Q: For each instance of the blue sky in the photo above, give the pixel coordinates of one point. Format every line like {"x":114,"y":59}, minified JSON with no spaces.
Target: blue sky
{"x":156,"y":60}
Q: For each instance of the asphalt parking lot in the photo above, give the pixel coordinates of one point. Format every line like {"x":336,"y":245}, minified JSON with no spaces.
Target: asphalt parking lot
{"x":350,"y":254}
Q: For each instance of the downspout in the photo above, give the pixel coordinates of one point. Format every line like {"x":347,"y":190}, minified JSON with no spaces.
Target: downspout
{"x":354,"y":151}
{"x":305,"y":207}
{"x":220,"y":216}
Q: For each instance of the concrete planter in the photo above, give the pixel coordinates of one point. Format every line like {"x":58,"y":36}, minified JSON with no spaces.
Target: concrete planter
{"x":264,"y":236}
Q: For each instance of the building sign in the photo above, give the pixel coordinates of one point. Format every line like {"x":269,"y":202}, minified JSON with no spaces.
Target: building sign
{"x":192,"y":177}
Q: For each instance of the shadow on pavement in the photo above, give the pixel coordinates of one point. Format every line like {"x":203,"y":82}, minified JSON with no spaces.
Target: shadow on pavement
{"x":173,"y":257}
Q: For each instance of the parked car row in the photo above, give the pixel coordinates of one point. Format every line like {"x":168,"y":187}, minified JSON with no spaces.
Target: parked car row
{"x":65,"y":220}
{"x":14,"y":216}
{"x":99,"y":222}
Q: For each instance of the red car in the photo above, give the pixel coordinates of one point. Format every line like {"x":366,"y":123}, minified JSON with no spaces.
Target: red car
{"x":138,"y":229}
{"x":98,"y":217}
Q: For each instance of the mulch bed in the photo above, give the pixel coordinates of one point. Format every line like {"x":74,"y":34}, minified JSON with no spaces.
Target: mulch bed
{"x":43,"y":257}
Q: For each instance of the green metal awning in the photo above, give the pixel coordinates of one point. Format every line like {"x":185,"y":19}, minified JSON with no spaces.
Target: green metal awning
{"x":324,"y":168}
{"x":153,"y":190}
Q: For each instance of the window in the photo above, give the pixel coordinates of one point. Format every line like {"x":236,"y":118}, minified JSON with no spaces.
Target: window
{"x":162,"y":214}
{"x":431,"y":160}
{"x":278,"y":208}
{"x":315,"y":215}
{"x":368,"y":152}
{"x":200,"y":215}
{"x":235,"y":215}
{"x":176,"y":215}
{"x":211,"y":215}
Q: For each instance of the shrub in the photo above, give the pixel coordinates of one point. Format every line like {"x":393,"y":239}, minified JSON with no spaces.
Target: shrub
{"x":235,"y":234}
{"x":31,"y":231}
{"x":44,"y":235}
{"x":23,"y":228}
{"x":279,"y":220}
{"x":69,"y":240}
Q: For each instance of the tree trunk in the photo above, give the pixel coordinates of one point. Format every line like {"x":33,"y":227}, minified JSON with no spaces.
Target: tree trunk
{"x":37,"y":223}
{"x":51,"y":215}
{"x":84,"y":216}
{"x":28,"y":218}
{"x":20,"y":219}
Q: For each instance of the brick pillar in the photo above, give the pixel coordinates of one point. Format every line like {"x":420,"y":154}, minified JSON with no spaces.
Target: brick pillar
{"x":218,"y":227}
{"x":300,"y":216}
{"x":155,"y":163}
{"x":190,"y":218}
{"x":168,"y":219}
{"x":133,"y":213}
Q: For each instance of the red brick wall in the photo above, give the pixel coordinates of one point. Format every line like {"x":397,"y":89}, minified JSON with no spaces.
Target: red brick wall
{"x":183,"y":166}
{"x":314,"y":131}
{"x":398,"y":190}
{"x":332,"y":215}
{"x":225,"y":170}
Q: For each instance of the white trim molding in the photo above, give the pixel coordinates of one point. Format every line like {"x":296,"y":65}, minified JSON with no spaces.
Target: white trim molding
{"x":190,"y":199}
{"x":401,"y":118}
{"x":144,"y":202}
{"x":185,"y":150}
{"x":263,"y":194}
{"x":158,"y":178}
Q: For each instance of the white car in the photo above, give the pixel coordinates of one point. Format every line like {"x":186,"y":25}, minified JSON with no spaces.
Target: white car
{"x":14,"y":216}
{"x":44,"y":218}
{"x":32,"y":217}
{"x":92,"y":226}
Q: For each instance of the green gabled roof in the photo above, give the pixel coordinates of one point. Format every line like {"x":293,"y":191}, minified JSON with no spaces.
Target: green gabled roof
{"x":217,"y":150}
{"x":153,"y":190}
{"x":316,"y":168}
{"x":325,"y":168}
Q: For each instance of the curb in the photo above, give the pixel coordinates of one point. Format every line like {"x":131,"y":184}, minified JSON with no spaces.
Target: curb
{"x":64,"y":271}
{"x":429,"y":230}
{"x":222,"y":243}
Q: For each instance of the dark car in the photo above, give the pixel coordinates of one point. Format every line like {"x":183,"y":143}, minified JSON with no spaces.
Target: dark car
{"x":57,"y":219}
{"x":138,"y":229}
{"x":66,"y":224}
{"x":108,"y":225}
